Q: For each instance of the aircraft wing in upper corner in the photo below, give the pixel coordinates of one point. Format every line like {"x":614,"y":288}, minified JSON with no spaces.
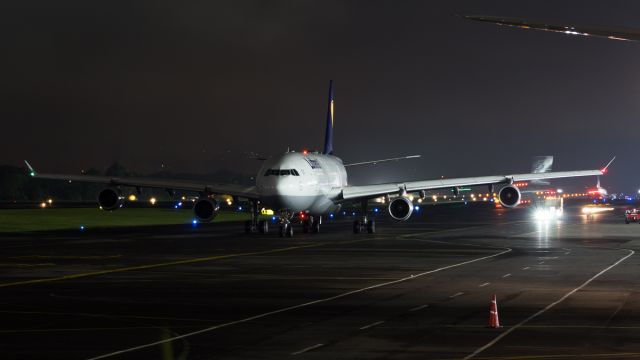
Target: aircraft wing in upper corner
{"x":613,"y":33}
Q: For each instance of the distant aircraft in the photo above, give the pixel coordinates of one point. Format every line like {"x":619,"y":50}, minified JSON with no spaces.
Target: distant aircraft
{"x":612,"y":33}
{"x":313,"y":184}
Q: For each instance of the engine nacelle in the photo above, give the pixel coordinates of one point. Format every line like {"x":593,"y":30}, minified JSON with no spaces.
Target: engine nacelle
{"x":400,"y":208}
{"x":206,"y":210}
{"x":110,"y":199}
{"x":509,"y":196}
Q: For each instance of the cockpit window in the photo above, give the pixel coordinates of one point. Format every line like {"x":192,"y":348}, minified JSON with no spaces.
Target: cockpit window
{"x":281,"y":172}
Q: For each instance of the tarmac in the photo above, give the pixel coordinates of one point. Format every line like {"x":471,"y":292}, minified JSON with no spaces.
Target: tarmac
{"x":566,"y":289}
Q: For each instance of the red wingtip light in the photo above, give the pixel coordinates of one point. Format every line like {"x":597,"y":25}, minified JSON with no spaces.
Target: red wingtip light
{"x":604,"y":170}
{"x":305,"y":151}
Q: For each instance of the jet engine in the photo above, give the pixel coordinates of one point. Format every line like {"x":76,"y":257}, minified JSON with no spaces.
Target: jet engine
{"x":110,"y":199}
{"x":206,"y":209}
{"x":400,"y":208}
{"x":509,"y":196}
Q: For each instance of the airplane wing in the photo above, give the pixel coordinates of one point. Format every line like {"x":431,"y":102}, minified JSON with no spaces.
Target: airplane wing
{"x":249,"y":192}
{"x":367,"y":191}
{"x":613,"y":33}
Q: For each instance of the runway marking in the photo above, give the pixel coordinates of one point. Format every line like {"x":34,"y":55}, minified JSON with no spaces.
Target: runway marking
{"x":526,"y":268}
{"x":372,"y":325}
{"x":541,"y":262}
{"x":95,"y":257}
{"x":506,"y":275}
{"x":177,"y":262}
{"x":307,"y":349}
{"x":420,"y":307}
{"x":540,"y":312}
{"x":295,"y":307}
{"x":25,"y":265}
{"x":483,"y":285}
{"x":456,"y":295}
{"x":109,"y":316}
{"x":561,"y":356}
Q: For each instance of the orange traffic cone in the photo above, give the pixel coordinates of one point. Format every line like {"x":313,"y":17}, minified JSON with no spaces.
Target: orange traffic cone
{"x":494,"y":322}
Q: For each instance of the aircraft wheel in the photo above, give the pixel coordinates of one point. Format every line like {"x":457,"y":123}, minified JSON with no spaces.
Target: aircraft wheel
{"x":289,"y":230}
{"x":305,"y":226}
{"x":263,"y":226}
{"x":315,"y":226}
{"x":281,"y":230}
{"x":626,"y":221}
{"x":356,"y":227}
{"x":371,"y":226}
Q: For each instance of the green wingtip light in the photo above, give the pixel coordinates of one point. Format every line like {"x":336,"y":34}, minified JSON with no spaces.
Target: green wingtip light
{"x":32,"y":173}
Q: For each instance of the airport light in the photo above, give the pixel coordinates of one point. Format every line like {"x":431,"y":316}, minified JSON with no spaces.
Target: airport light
{"x":43,"y":204}
{"x":50,"y":201}
{"x":153,"y":201}
{"x":132,"y":197}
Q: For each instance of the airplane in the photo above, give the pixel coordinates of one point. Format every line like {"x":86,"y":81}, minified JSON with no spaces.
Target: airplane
{"x":313,"y":184}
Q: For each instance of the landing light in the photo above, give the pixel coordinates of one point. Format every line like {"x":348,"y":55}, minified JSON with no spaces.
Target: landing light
{"x":50,"y":201}
{"x":132,"y":197}
{"x":43,"y":204}
{"x":153,"y":201}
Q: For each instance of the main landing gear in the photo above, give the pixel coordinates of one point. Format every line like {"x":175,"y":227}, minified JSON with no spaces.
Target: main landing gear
{"x":253,"y":225}
{"x":364,"y":224}
{"x":311,"y":224}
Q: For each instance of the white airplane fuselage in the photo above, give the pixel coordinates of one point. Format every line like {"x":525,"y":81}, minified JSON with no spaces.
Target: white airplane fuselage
{"x":301,"y":182}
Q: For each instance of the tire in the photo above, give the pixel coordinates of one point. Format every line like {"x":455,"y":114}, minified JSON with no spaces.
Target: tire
{"x":281,"y":230}
{"x":626,"y":221}
{"x":263,"y":226}
{"x":371,"y":226}
{"x":305,"y":226}
{"x":356,"y":227}
{"x":315,"y":226}
{"x":289,"y":230}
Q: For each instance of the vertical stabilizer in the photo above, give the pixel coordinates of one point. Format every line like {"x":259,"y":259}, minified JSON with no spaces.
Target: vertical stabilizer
{"x":328,"y":135}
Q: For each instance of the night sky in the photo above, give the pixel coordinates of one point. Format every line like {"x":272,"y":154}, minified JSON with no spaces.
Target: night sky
{"x":195,"y":85}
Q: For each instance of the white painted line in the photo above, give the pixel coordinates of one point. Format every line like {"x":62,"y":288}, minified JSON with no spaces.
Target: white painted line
{"x":483,"y":285}
{"x":525,"y":268}
{"x":307,"y":349}
{"x":540,"y":312}
{"x":371,"y":325}
{"x":506,"y":275}
{"x":567,"y":253}
{"x":420,"y":307}
{"x":295,"y":307}
{"x":456,"y":295}
{"x":541,"y":262}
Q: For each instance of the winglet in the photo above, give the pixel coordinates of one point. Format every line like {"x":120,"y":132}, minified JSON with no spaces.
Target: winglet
{"x":31,"y":171}
{"x":606,"y":168}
